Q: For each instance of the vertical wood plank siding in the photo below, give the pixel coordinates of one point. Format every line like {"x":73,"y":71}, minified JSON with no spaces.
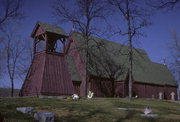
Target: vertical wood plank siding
{"x":101,"y":87}
{"x":48,"y":75}
{"x":57,"y":79}
{"x":33,"y":82}
{"x":148,"y":91}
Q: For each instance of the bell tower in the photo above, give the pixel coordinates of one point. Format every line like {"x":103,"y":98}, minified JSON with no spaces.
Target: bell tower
{"x":48,"y":38}
{"x":48,"y":73}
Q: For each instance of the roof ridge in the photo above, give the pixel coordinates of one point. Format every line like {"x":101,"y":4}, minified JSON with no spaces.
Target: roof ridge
{"x":113,"y":42}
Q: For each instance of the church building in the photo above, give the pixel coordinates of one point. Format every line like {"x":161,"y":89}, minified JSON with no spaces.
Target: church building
{"x":60,"y":67}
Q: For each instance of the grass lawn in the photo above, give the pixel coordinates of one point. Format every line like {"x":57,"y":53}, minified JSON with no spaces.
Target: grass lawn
{"x":95,"y":110}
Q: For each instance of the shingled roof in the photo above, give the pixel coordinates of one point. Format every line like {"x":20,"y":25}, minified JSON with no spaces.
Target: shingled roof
{"x":144,"y":70}
{"x":50,"y":28}
{"x":72,"y":69}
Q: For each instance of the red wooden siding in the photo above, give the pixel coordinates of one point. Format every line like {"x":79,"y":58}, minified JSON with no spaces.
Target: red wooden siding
{"x":101,"y":87}
{"x":146,"y":90}
{"x":49,"y":75}
{"x":33,"y":81}
{"x":120,"y":89}
{"x":56,"y":78}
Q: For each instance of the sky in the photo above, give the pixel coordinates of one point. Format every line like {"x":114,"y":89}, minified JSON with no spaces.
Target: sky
{"x":159,"y":34}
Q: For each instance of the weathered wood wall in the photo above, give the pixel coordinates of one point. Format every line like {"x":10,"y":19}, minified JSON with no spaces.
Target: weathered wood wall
{"x":101,"y":87}
{"x":48,"y":75}
{"x":150,"y":91}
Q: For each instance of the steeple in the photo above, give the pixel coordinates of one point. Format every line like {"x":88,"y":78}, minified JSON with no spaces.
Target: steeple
{"x":48,"y":73}
{"x":48,"y":38}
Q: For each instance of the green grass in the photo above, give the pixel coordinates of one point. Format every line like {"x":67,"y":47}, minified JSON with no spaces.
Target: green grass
{"x":95,"y":110}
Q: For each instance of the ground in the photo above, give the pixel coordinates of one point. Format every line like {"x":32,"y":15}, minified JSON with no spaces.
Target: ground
{"x":95,"y":110}
{"x":6,"y":92}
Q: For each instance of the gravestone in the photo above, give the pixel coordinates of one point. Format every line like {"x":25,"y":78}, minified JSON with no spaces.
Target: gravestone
{"x":172,"y":96}
{"x":136,"y":97}
{"x":25,"y":110}
{"x":90,"y":95}
{"x":147,"y":113}
{"x":75,"y":97}
{"x":150,"y":115}
{"x":160,"y":95}
{"x":147,"y":110}
{"x":124,"y":109}
{"x":44,"y":116}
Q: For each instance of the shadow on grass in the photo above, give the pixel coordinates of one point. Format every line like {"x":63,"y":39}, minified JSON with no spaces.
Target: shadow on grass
{"x":83,"y":116}
{"x":118,"y":103}
{"x":134,"y":116}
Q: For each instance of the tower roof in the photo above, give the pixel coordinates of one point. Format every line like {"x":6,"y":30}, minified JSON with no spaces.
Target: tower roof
{"x":49,"y":28}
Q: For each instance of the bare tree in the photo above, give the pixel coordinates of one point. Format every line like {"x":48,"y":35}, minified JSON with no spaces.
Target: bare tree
{"x":83,"y":16}
{"x":1,"y":63}
{"x":10,"y":9}
{"x":135,"y":15}
{"x":102,"y":62}
{"x":176,"y":49}
{"x":175,"y":55}
{"x":25,"y":59}
{"x":160,"y":4}
{"x":13,"y":52}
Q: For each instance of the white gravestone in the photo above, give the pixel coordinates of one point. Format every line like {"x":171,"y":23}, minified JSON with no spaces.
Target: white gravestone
{"x":44,"y":116}
{"x":90,"y":95}
{"x":160,"y":95}
{"x":147,"y":113}
{"x":147,"y":110}
{"x":25,"y":110}
{"x":172,"y":96}
{"x":75,"y":97}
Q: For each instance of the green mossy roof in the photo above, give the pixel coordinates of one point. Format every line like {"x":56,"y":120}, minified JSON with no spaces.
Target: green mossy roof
{"x":53,"y":29}
{"x":144,"y":70}
{"x":72,"y":68}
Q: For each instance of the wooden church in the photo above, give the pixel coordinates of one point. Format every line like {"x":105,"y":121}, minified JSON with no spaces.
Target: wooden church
{"x":59,"y":68}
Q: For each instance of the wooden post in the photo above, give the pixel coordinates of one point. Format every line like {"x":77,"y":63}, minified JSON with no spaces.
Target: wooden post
{"x":46,"y":43}
{"x":63,"y":41}
{"x":37,"y":93}
{"x":34,"y":45}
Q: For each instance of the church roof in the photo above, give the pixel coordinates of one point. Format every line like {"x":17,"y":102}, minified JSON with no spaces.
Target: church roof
{"x":72,"y":69}
{"x":50,"y":28}
{"x":144,"y":70}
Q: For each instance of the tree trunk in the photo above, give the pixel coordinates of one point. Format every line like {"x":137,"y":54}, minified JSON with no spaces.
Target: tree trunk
{"x":12,"y":88}
{"x":113,"y":89}
{"x":130,"y":80}
{"x":130,"y":50}
{"x":87,"y":59}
